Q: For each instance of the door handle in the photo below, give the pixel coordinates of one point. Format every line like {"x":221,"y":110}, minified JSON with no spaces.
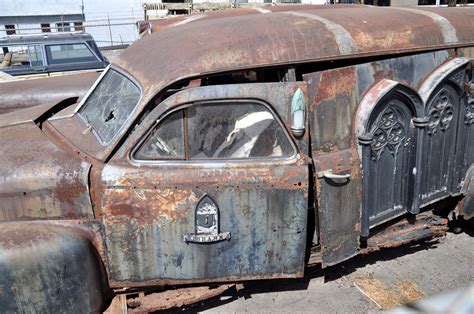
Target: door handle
{"x":328,"y":174}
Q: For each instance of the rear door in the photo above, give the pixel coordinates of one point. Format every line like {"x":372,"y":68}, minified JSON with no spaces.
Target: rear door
{"x":336,"y":165}
{"x":211,"y":186}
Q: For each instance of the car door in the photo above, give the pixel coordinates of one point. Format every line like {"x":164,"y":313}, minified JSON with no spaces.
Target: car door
{"x":211,"y":186}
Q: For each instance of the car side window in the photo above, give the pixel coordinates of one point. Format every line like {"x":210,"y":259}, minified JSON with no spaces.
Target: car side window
{"x":235,"y":131}
{"x":166,"y":141}
{"x":218,"y":131}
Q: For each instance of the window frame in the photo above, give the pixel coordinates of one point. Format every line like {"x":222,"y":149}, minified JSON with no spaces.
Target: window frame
{"x":187,"y":160}
{"x":93,"y":88}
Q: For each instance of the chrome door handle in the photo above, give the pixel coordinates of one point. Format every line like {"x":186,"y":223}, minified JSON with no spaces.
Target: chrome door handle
{"x":328,"y":174}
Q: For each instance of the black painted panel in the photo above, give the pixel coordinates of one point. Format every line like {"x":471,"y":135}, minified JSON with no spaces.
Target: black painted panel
{"x":439,"y":144}
{"x":391,"y":163}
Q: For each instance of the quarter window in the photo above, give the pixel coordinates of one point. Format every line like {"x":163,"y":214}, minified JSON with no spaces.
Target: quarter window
{"x":218,"y":131}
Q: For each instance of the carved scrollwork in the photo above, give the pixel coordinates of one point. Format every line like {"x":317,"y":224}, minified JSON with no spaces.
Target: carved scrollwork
{"x":388,"y":132}
{"x":441,"y":113}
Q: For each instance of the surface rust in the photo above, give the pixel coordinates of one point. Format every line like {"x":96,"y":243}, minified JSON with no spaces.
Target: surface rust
{"x":425,"y":225}
{"x":168,"y":299}
{"x":293,"y":39}
{"x":22,"y":94}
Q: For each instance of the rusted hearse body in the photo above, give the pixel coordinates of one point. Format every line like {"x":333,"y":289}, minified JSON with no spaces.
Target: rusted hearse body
{"x":204,"y":156}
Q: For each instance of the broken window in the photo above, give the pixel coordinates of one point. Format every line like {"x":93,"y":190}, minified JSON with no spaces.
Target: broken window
{"x":109,"y":105}
{"x":220,"y":131}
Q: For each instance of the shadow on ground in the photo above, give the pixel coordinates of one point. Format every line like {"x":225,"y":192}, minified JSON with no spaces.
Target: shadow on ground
{"x":329,"y":274}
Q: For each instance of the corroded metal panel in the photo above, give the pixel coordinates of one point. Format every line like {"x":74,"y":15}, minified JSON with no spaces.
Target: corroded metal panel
{"x":38,"y":179}
{"x":146,"y":212}
{"x":337,"y":94}
{"x":338,"y":204}
{"x":21,"y":94}
{"x":293,"y":38}
{"x":51,"y":267}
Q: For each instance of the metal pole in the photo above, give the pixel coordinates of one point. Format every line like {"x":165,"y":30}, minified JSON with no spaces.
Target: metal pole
{"x":365,"y":141}
{"x":110,"y":31}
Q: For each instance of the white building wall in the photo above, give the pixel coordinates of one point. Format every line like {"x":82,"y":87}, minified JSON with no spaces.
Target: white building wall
{"x":121,"y":15}
{"x":35,"y":7}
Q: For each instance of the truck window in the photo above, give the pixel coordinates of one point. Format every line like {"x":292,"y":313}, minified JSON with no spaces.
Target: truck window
{"x":69,"y":53}
{"x":21,"y":56}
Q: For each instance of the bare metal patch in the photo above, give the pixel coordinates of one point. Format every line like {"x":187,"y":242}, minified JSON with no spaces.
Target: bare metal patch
{"x":447,"y":29}
{"x":343,"y":38}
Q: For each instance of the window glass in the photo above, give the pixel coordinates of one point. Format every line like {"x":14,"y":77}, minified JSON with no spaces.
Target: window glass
{"x":36,"y":55}
{"x":166,"y":141}
{"x":110,"y":104}
{"x":67,"y":53}
{"x":235,"y":131}
{"x":15,"y":56}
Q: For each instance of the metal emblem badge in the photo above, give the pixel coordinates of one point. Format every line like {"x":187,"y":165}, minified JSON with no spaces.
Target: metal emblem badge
{"x":206,"y":223}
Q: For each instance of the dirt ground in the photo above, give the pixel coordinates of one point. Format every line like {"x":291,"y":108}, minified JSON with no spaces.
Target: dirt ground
{"x":365,"y":284}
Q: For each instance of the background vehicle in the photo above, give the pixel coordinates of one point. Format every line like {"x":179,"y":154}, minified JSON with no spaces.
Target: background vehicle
{"x":22,"y":55}
{"x":239,"y":155}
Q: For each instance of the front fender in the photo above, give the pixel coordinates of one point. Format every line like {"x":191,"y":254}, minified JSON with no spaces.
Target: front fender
{"x":50,"y":268}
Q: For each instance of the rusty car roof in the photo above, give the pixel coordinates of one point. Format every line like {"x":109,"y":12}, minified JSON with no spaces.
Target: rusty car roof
{"x":288,"y":35}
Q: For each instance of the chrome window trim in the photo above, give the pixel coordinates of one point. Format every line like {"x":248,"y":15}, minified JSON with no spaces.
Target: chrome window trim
{"x":213,"y":162}
{"x":89,"y":92}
